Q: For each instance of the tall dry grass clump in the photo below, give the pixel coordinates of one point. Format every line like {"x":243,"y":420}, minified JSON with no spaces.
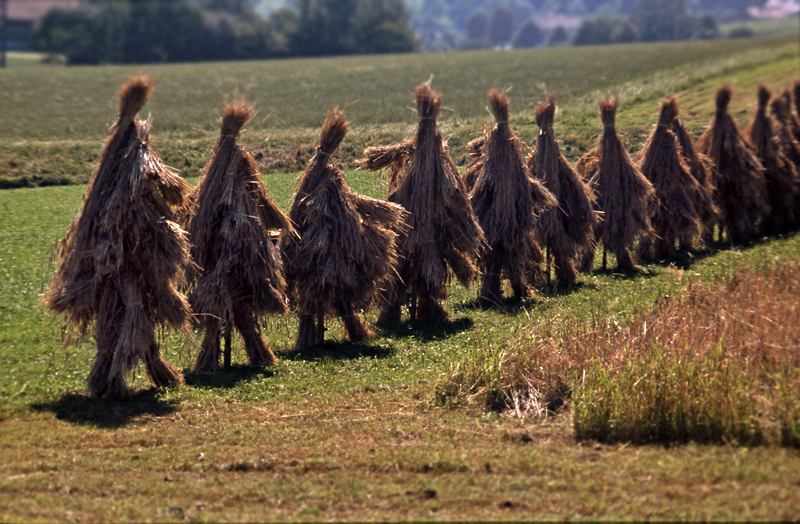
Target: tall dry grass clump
{"x":780,"y":174}
{"x":623,"y":193}
{"x":347,"y":244}
{"x":705,"y":196}
{"x":673,"y":214}
{"x":507,"y":203}
{"x":729,"y":375}
{"x":120,"y":260}
{"x":566,"y":229}
{"x":741,"y":187}
{"x":239,"y":279}
{"x":444,"y":232}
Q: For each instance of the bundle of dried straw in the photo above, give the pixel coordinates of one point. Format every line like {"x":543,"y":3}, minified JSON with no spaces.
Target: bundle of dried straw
{"x":673,"y":214}
{"x":742,"y":191}
{"x":507,"y":202}
{"x":240,"y":275}
{"x":567,"y":228}
{"x":780,"y":174}
{"x":624,"y":195}
{"x":347,"y":244}
{"x":443,"y":229}
{"x":122,"y":257}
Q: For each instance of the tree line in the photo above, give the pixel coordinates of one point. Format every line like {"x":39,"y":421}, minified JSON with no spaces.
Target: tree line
{"x":147,"y":31}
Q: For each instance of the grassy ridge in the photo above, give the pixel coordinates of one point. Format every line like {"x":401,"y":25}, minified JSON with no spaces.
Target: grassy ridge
{"x":53,"y":119}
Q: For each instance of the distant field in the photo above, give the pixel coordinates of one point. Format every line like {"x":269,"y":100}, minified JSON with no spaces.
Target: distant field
{"x":789,"y":25}
{"x":52,"y":120}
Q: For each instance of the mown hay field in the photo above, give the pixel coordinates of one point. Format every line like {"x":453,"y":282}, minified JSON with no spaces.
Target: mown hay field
{"x":415,"y":423}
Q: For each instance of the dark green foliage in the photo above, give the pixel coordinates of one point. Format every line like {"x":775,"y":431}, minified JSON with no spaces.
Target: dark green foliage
{"x":501,"y":25}
{"x":528,"y":35}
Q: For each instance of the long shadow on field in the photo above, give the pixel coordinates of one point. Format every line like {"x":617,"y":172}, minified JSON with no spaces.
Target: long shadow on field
{"x":339,"y":351}
{"x":561,"y":290}
{"x":429,"y":332}
{"x":108,"y":414}
{"x":226,"y":378}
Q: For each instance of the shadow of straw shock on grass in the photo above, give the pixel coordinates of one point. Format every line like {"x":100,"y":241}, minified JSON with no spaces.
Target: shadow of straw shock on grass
{"x":101,"y":413}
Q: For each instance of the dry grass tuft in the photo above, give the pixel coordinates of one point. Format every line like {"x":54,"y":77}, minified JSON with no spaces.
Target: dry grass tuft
{"x":507,"y":203}
{"x":719,"y":363}
{"x":122,"y":258}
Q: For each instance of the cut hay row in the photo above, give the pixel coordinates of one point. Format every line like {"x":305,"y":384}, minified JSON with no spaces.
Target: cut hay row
{"x":121,"y":263}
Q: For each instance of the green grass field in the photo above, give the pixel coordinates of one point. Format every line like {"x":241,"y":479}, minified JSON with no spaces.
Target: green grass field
{"x":388,"y":429}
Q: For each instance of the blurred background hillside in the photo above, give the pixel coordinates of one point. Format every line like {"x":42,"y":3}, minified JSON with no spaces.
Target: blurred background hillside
{"x":148,"y":31}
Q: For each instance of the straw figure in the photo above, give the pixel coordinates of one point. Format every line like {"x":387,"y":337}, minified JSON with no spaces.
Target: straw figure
{"x":705,"y":197}
{"x":742,"y":191}
{"x":507,"y":203}
{"x":240,"y":275}
{"x":781,"y":111}
{"x":121,"y":259}
{"x":346,"y":248}
{"x":673,"y":214}
{"x":796,"y":114}
{"x":780,"y":174}
{"x":624,"y":195}
{"x":567,"y":228}
{"x":443,"y":229}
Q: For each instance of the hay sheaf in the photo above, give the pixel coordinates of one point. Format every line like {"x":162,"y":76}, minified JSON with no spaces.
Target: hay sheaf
{"x":780,"y":173}
{"x":673,"y":214}
{"x":507,"y":203}
{"x":741,"y":186}
{"x":781,"y":111}
{"x":443,"y":229}
{"x":240,"y":273}
{"x":475,"y":161}
{"x":703,"y":170}
{"x":120,"y":261}
{"x":566,"y":229}
{"x":347,"y":244}
{"x":623,"y":193}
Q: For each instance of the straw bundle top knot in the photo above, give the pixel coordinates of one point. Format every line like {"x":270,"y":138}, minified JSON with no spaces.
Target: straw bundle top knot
{"x":546,"y":111}
{"x":724,"y":94}
{"x":133,"y":96}
{"x":429,"y":102}
{"x":608,"y":111}
{"x":669,"y":112}
{"x":764,"y":94}
{"x":498,"y":103}
{"x":333,"y":131}
{"x":237,"y":115}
